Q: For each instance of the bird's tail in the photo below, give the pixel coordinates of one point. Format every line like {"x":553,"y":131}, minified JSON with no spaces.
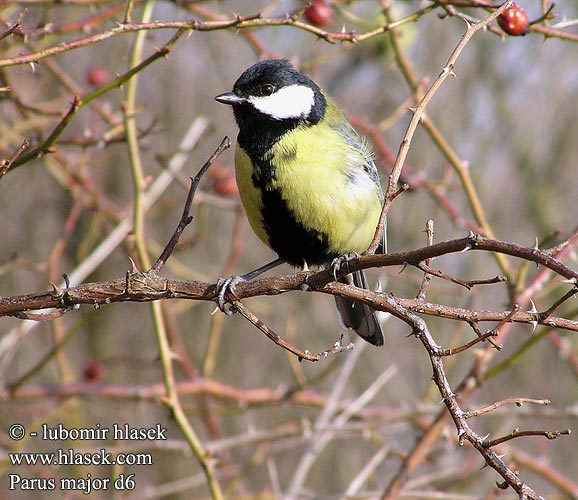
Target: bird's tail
{"x":357,"y":315}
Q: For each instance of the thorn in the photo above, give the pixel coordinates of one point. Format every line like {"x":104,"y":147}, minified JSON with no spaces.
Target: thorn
{"x":461,"y":435}
{"x":534,"y":322}
{"x":134,"y":269}
{"x":503,"y":485}
{"x":56,"y":290}
{"x":467,"y":248}
{"x":536,"y":246}
{"x":571,"y":281}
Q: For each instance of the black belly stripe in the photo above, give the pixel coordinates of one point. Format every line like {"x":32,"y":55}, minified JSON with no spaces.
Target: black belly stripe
{"x":291,"y":240}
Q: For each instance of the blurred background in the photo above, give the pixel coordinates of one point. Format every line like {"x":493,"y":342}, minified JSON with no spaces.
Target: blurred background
{"x":509,"y":118}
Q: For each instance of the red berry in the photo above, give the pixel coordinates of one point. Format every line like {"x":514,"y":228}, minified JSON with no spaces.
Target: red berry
{"x":514,"y":21}
{"x":97,"y":76}
{"x":93,"y":371}
{"x":319,"y":12}
{"x":224,"y":182}
{"x":219,"y":171}
{"x":226,"y":186}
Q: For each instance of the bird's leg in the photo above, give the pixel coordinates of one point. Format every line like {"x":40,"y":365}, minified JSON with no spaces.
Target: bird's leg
{"x":227,"y":285}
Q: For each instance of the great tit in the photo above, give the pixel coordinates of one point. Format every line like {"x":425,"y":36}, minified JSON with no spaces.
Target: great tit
{"x":306,"y":179}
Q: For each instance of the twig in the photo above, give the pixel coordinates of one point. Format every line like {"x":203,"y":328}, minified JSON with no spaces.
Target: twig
{"x":306,"y":354}
{"x":571,"y":240}
{"x":6,"y":164}
{"x":186,"y":218}
{"x":568,"y":295}
{"x":426,"y":277}
{"x":40,"y":317}
{"x":368,"y":469}
{"x":517,"y":401}
{"x":469,"y":284}
{"x":478,"y":332}
{"x":507,"y":319}
{"x":462,"y":348}
{"x":517,"y":434}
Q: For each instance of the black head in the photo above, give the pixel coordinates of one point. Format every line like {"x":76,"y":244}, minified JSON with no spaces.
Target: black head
{"x":273,"y":91}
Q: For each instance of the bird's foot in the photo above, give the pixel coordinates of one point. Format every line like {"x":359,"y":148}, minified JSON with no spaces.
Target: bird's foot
{"x":338,"y":262}
{"x":227,"y":286}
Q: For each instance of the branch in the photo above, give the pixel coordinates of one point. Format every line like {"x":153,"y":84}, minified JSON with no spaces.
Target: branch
{"x":418,"y":115}
{"x":145,"y":287}
{"x":465,"y":433}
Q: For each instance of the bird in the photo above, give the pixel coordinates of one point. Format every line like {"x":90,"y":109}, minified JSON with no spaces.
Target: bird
{"x":307,"y":180}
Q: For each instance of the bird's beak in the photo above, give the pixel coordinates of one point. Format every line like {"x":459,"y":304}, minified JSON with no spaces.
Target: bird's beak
{"x":229,"y":98}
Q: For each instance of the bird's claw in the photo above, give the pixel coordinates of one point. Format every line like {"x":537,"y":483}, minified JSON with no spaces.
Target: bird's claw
{"x":224,"y":286}
{"x":339,"y":261}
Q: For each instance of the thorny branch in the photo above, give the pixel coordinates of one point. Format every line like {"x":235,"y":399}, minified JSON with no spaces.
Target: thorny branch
{"x":145,"y":287}
{"x":418,"y":115}
{"x":150,"y":286}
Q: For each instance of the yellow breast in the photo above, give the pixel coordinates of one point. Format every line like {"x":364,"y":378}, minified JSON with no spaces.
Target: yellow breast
{"x":322,"y":180}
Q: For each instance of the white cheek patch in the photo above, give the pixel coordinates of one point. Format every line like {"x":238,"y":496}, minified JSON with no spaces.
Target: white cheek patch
{"x":294,"y":101}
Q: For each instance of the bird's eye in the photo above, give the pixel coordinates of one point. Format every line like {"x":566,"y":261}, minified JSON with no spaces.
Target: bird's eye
{"x":267,"y":89}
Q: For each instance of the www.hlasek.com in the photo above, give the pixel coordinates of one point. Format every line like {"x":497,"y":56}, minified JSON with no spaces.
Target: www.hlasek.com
{"x":69,"y":456}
